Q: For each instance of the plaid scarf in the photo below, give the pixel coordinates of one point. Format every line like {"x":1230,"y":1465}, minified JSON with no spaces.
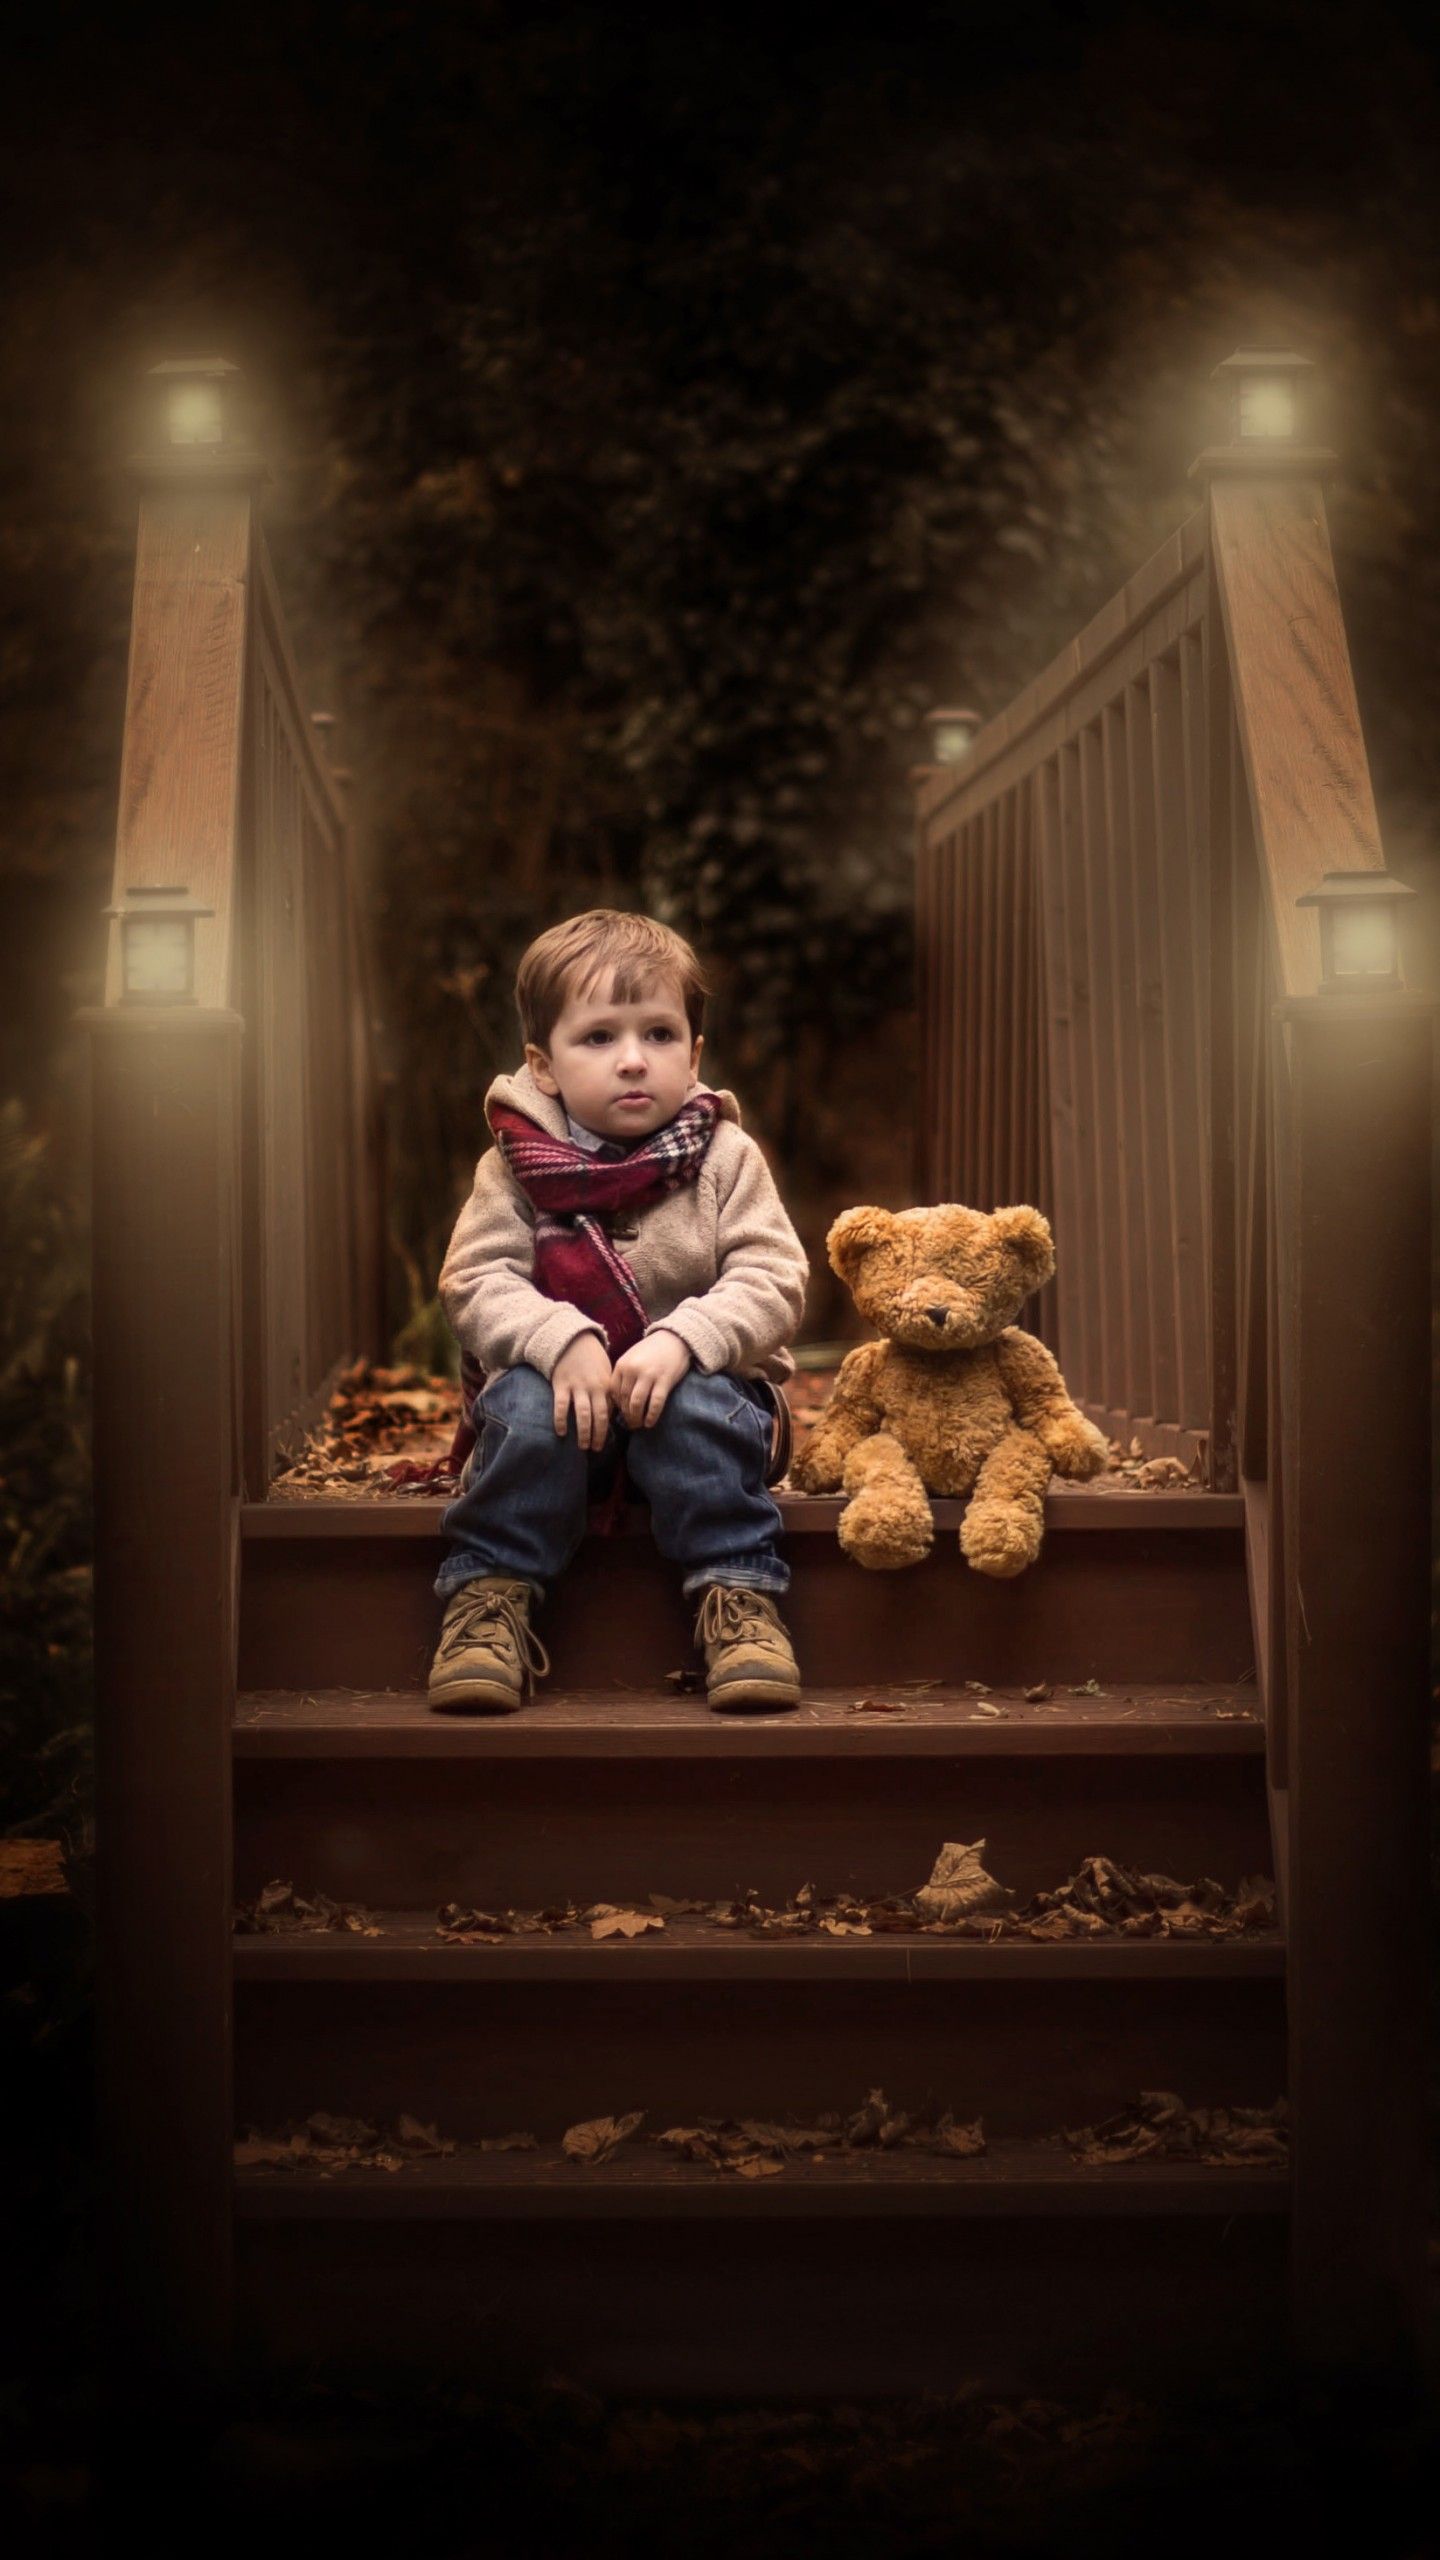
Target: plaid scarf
{"x":571,"y":1193}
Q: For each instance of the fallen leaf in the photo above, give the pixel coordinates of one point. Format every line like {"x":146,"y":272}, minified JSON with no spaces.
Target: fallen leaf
{"x":1040,"y":1691}
{"x":846,"y":1928}
{"x":687,"y":1683}
{"x":610,"y":1923}
{"x":957,"y":2141}
{"x":599,"y":2136}
{"x":980,"y":1687}
{"x":960,"y":1884}
{"x":876,"y":1707}
{"x":1088,"y":1689}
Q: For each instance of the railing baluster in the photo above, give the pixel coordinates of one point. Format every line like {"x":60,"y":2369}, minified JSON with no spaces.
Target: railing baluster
{"x":1139,"y":1394}
{"x":1151,"y":1069}
{"x":1113,"y":1389}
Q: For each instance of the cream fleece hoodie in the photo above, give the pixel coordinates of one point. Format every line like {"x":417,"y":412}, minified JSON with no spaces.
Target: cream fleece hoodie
{"x":717,"y":1263}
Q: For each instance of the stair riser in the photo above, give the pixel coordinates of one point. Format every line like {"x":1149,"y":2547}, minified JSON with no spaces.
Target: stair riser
{"x":322,"y":1612}
{"x":481,"y":2059}
{"x":776,"y":2312}
{"x":414,"y":1833}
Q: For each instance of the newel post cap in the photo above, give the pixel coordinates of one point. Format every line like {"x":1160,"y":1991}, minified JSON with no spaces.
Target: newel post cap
{"x":196,"y":425}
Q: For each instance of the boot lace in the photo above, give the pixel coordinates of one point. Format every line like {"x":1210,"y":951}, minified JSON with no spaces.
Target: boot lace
{"x":503,"y":1609}
{"x":727,"y":1612}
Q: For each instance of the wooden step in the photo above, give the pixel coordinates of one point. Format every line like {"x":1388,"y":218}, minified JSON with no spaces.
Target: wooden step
{"x":1019,"y":2272}
{"x":409,"y":1948}
{"x":1007,"y":2179}
{"x":774,"y":2032}
{"x":1130,"y":1585}
{"x":593,"y":1795}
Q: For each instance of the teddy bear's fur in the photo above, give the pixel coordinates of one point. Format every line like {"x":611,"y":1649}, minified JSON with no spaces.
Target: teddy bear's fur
{"x":955,"y":1399}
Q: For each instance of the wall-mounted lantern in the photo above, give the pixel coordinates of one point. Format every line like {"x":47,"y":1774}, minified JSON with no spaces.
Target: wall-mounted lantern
{"x":952,"y":735}
{"x":157,"y":944}
{"x":1359,"y":931}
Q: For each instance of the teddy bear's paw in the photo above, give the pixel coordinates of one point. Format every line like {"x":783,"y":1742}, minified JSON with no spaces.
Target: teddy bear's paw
{"x":999,"y":1538}
{"x":813,"y":1472}
{"x":1075,"y":1448}
{"x":878,"y":1532}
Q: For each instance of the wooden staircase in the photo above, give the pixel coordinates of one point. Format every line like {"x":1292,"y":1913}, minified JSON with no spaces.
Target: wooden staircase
{"x":662,"y":2276}
{"x":1124,"y":1017}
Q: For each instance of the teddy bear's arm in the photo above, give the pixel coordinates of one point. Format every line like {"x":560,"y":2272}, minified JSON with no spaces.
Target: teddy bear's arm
{"x":851,"y":1415}
{"x":1043,"y":1406}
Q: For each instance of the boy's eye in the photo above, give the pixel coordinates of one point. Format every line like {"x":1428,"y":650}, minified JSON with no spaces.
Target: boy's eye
{"x":596,"y":1039}
{"x":662,"y":1031}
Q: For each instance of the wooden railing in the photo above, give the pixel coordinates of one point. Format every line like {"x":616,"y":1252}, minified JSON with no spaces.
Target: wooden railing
{"x":238,"y":1224}
{"x":1237,"y":1166}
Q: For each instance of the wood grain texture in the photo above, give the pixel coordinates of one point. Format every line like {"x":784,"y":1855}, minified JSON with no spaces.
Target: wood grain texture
{"x":1299,"y":722}
{"x":184,"y":714}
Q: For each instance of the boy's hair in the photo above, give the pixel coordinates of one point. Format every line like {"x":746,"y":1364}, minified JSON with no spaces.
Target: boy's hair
{"x":568,"y":960}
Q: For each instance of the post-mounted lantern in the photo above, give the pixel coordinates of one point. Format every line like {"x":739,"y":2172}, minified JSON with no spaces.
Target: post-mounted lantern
{"x":195,"y":423}
{"x":952,"y":735}
{"x":1359,"y":931}
{"x":157,"y":944}
{"x":1267,"y":396}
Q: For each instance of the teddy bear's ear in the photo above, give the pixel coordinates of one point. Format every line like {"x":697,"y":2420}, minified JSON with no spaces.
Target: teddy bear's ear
{"x":852,"y":1236}
{"x":1027,"y":1238}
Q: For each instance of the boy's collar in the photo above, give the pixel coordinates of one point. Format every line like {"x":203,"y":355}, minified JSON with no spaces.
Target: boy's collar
{"x":521,"y":1092}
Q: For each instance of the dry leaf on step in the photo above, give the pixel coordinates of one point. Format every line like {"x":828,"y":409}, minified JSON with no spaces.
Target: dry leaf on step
{"x":608,"y":1920}
{"x":1036,"y":1695}
{"x":594,"y":2140}
{"x":960,"y":1883}
{"x":957,"y":2141}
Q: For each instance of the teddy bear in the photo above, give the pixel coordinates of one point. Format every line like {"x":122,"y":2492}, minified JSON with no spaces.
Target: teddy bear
{"x":955,"y":1399}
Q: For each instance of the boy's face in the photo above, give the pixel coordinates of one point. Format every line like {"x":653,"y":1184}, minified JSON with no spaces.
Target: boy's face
{"x":621,"y":1070}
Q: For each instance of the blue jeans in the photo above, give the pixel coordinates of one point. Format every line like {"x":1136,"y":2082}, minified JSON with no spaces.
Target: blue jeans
{"x":701,"y":1468}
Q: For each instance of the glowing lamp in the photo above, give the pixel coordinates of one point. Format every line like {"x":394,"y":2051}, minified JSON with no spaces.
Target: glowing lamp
{"x":952,"y":735}
{"x":1267,"y":396}
{"x":157,"y":945}
{"x":1359,"y":931}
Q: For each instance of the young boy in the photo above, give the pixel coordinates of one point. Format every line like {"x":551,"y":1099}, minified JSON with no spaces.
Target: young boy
{"x":625,"y":1276}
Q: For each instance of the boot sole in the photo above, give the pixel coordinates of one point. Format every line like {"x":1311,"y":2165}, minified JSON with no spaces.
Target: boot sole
{"x":474,"y":1697}
{"x":752,"y":1697}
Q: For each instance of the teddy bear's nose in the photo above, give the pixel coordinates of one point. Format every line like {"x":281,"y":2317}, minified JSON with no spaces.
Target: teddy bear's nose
{"x":937,"y":1315}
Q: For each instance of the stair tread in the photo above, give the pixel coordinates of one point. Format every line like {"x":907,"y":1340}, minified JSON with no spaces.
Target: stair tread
{"x":641,"y":1723}
{"x":1067,"y":1507}
{"x":407,"y":1949}
{"x":1011,"y":2177}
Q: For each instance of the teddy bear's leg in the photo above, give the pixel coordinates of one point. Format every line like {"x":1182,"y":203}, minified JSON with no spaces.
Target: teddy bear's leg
{"x":1005,"y":1521}
{"x":887,"y":1521}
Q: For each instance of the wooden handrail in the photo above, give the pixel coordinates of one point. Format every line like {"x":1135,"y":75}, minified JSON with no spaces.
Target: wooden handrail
{"x":1238,"y":1165}
{"x":238,"y":1227}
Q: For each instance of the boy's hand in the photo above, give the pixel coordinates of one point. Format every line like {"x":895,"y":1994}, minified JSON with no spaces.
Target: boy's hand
{"x":643,"y":1376}
{"x":581,"y":1377}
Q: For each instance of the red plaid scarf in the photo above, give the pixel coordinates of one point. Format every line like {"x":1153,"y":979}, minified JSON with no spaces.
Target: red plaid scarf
{"x":571,"y":1193}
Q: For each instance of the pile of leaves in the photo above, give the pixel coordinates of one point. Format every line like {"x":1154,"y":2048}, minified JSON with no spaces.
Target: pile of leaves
{"x":960,"y":1899}
{"x":279,"y":1911}
{"x":1132,"y":1466}
{"x":1156,"y":2125}
{"x":383,"y":1429}
{"x":741,"y":2147}
{"x":1159,"y":2126}
{"x":332,"y":2143}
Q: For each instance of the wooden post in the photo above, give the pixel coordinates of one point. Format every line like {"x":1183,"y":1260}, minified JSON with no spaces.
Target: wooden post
{"x":166,"y":1330}
{"x":1353,"y":1233}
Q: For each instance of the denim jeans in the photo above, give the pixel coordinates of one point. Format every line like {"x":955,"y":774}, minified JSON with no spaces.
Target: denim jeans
{"x":701,"y":1468}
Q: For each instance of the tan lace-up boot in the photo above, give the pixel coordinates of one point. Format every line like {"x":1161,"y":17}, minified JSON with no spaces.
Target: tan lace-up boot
{"x":488,"y":1654}
{"x":748,"y":1660}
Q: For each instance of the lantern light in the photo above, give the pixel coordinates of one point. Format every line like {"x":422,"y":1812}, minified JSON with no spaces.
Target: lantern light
{"x":952,"y":735}
{"x":195,"y":419}
{"x":157,"y":944}
{"x":1359,"y":931}
{"x":1267,"y":395}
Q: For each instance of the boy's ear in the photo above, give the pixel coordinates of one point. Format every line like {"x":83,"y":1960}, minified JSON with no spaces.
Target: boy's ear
{"x":695,"y":1058}
{"x":1027,"y":1236}
{"x":539,"y":1066}
{"x":852,"y":1236}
